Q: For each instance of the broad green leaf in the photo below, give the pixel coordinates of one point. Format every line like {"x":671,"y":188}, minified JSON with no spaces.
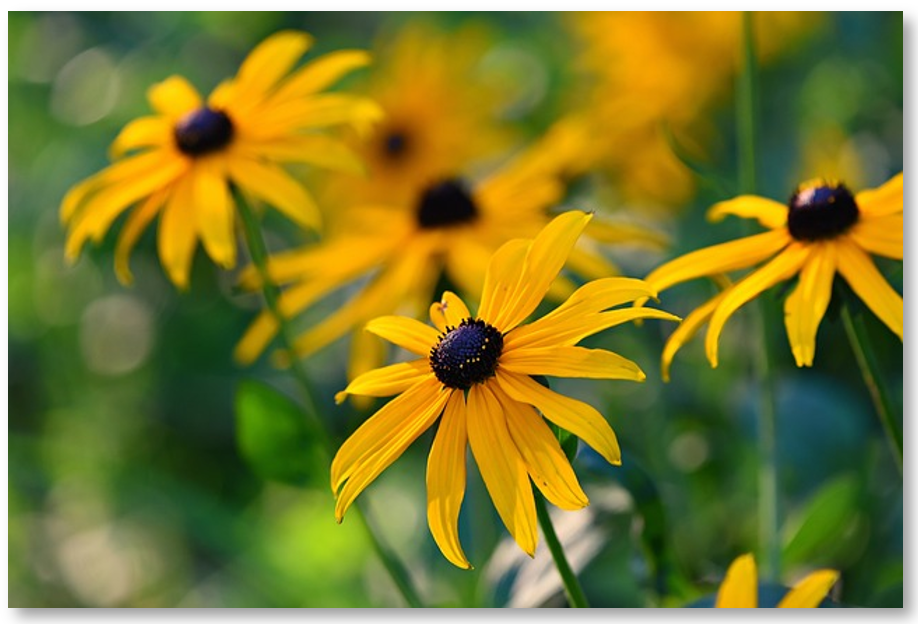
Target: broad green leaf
{"x":828,"y":525}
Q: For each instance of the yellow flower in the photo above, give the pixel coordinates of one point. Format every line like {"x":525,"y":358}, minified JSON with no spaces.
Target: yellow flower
{"x":189,"y":155}
{"x":450,"y":225}
{"x":476,"y":371}
{"x":739,"y":589}
{"x":823,"y":230}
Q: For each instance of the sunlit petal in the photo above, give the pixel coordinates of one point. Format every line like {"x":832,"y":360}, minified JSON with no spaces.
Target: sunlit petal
{"x":564,"y":361}
{"x":174,"y":97}
{"x":808,"y":593}
{"x":768,"y":212}
{"x":388,"y":380}
{"x":806,"y":305}
{"x":883,"y":200}
{"x":880,"y":235}
{"x":405,"y":332}
{"x":869,"y":284}
{"x":739,"y":589}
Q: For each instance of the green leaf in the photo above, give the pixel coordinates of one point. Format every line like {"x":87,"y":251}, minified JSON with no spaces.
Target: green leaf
{"x":276,"y":439}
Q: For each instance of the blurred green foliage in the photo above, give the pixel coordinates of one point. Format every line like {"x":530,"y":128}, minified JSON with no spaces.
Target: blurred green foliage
{"x":128,"y":485}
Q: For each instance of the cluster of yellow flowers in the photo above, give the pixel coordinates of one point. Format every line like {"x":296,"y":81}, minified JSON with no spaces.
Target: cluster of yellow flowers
{"x":412,"y":203}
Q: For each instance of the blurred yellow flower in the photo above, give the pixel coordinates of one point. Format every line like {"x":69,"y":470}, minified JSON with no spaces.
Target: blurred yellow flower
{"x":190,"y":154}
{"x":650,"y":70}
{"x":822,"y":231}
{"x":477,"y":372}
{"x":740,"y":588}
{"x":449,"y":225}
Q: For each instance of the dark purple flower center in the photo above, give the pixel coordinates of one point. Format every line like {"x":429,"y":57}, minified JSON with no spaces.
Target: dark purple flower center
{"x":467,"y":354}
{"x":821,"y":212}
{"x":446,"y":203}
{"x":203,"y":131}
{"x":395,"y":144}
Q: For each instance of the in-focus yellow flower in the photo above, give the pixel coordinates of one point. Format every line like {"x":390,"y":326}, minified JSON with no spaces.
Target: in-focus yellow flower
{"x":189,"y":154}
{"x":740,"y":588}
{"x":823,"y":230}
{"x":476,"y":371}
{"x":649,"y":70}
{"x":441,"y":114}
{"x":450,"y":226}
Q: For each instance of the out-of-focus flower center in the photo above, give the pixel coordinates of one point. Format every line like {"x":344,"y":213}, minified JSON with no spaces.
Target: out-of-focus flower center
{"x":395,"y":144}
{"x":467,"y":354}
{"x":446,"y":203}
{"x":203,"y":131}
{"x":821,"y":211}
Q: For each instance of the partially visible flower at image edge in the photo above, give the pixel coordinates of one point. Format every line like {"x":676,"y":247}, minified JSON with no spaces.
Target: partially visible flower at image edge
{"x":739,"y":589}
{"x":823,"y":230}
{"x":187,"y":157}
{"x":475,"y":374}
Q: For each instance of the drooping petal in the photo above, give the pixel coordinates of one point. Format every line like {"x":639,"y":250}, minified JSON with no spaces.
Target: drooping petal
{"x":737,"y":254}
{"x":214,"y":212}
{"x":174,"y":97}
{"x":321,"y":73}
{"x":272,"y":184}
{"x":869,"y":284}
{"x":405,"y":332}
{"x":449,"y":311}
{"x":501,"y":278}
{"x":881,"y":235}
{"x":388,"y":380}
{"x":270,"y":61}
{"x":577,"y":417}
{"x":140,"y":133}
{"x":136,"y":223}
{"x":806,"y":305}
{"x":546,"y":463}
{"x":686,"y":331}
{"x":739,"y":589}
{"x":565,"y":361}
{"x":768,"y":212}
{"x":501,"y":466}
{"x":883,"y":200}
{"x":177,"y":236}
{"x":808,"y":593}
{"x":446,"y":480}
{"x":782,"y":267}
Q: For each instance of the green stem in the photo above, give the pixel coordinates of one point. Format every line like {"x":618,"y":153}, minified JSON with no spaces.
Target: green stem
{"x":860,"y":344}
{"x":746,"y":133}
{"x":572,"y":589}
{"x":271,"y":293}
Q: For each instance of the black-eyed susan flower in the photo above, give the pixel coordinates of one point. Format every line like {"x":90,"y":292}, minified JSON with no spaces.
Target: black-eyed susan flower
{"x":740,"y":588}
{"x":452,"y":225}
{"x":185,"y":158}
{"x":824,"y":230}
{"x":474,"y":375}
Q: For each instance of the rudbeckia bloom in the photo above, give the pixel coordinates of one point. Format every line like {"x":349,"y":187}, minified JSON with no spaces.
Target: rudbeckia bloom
{"x":740,"y":587}
{"x":474,"y":374}
{"x":824,"y":230}
{"x":451,"y":226}
{"x":187,"y":157}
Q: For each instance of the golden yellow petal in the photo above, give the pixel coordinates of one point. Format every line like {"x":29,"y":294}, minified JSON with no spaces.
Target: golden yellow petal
{"x":270,"y":61}
{"x":577,"y":417}
{"x":317,"y":150}
{"x":621,"y":233}
{"x":256,"y":337}
{"x":808,"y":593}
{"x":880,"y":235}
{"x":405,"y":332}
{"x":546,"y":463}
{"x":136,"y":223}
{"x":177,"y":236}
{"x":321,"y":73}
{"x":388,"y":380}
{"x":174,"y":97}
{"x":566,"y":361}
{"x":768,"y":212}
{"x":446,"y":480}
{"x":806,"y":305}
{"x":321,"y":111}
{"x":573,"y":330}
{"x":451,"y":310}
{"x":214,"y":212}
{"x":883,"y":200}
{"x":784,"y":266}
{"x":272,"y":184}
{"x":501,"y":466}
{"x":139,"y":133}
{"x":686,"y":331}
{"x":503,"y":273}
{"x":869,"y":284}
{"x":740,"y":588}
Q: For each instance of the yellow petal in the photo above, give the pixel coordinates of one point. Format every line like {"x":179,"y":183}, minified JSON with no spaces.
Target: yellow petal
{"x":782,"y":267}
{"x":142,"y":132}
{"x":686,"y":331}
{"x":446,"y":480}
{"x":177,"y":237}
{"x":136,"y":223}
{"x":768,"y":212}
{"x":571,"y":331}
{"x":270,"y":61}
{"x":626,"y":233}
{"x":272,"y":184}
{"x":256,"y":337}
{"x":880,"y":235}
{"x":174,"y":97}
{"x":565,"y":361}
{"x":883,"y":200}
{"x":546,"y":257}
{"x":405,"y":332}
{"x":740,"y":588}
{"x":869,"y":284}
{"x":214,"y":212}
{"x":808,"y":593}
{"x":577,"y":417}
{"x":322,"y":73}
{"x":388,"y":380}
{"x":317,"y":150}
{"x":501,"y":467}
{"x":807,"y":304}
{"x":503,"y":273}
{"x":321,"y":111}
{"x":449,"y":311}
{"x":738,"y":254}
{"x":546,"y":463}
